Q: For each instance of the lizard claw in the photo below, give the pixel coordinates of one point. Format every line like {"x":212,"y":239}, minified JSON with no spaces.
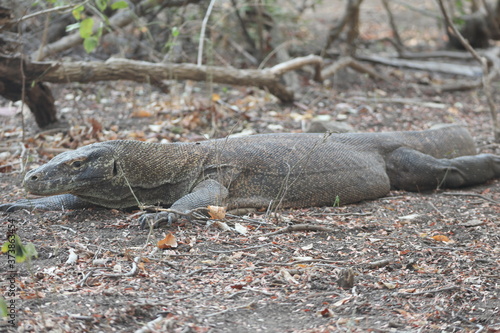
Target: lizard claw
{"x":18,"y":205}
{"x":157,"y":220}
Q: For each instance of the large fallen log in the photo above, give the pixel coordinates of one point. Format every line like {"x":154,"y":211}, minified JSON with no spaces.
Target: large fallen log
{"x":11,"y":68}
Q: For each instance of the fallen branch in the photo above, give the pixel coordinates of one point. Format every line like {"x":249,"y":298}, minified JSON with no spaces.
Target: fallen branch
{"x":341,"y":214}
{"x":356,"y":65}
{"x":239,"y":249}
{"x":296,"y":227}
{"x":472,"y":195}
{"x":399,"y":100}
{"x":142,"y":71}
{"x":430,"y":66}
{"x":433,"y":291}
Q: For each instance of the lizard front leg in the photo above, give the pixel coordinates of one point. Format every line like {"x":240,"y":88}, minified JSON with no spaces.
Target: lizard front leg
{"x":208,"y":192}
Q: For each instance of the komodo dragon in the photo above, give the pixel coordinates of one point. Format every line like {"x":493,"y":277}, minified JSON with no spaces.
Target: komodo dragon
{"x":292,"y":170}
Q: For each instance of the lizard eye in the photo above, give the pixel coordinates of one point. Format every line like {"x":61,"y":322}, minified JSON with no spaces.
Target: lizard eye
{"x":76,"y":164}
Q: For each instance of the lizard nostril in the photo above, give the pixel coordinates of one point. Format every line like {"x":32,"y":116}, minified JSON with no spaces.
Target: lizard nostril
{"x":34,"y":178}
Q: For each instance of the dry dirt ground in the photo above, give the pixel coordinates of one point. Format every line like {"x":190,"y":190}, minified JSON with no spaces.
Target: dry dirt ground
{"x":421,"y":262}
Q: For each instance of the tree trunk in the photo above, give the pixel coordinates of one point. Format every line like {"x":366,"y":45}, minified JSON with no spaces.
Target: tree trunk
{"x":37,"y":97}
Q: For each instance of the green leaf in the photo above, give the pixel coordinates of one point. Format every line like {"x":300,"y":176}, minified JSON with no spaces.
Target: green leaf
{"x":175,"y":31}
{"x":101,"y":4}
{"x":119,"y":5}
{"x":5,"y":247}
{"x":71,"y":27}
{"x":90,"y":43}
{"x":336,"y":203}
{"x":21,"y":252}
{"x":30,"y":250}
{"x":77,"y":12}
{"x":3,"y":308}
{"x":86,"y":28}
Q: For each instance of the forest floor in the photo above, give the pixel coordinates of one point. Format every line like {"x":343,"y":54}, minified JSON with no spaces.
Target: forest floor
{"x":422,"y":262}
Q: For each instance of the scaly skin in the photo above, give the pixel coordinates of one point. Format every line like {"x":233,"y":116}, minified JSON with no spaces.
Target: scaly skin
{"x":287,"y":170}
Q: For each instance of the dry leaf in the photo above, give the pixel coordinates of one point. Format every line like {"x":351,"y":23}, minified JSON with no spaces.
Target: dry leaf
{"x":326,"y":313}
{"x":142,"y":114}
{"x":217,"y":212}
{"x":240,"y":228}
{"x":168,"y":242}
{"x":302,"y":258}
{"x":342,"y":301}
{"x":440,"y":238}
{"x":411,"y":290}
{"x":222,"y":226}
{"x":307,"y":247}
{"x":388,"y":285}
{"x":287,"y":276}
{"x":72,"y":258}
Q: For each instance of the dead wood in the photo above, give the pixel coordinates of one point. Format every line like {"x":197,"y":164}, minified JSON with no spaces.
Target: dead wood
{"x":356,"y":65}
{"x":398,"y":43}
{"x":484,"y":67}
{"x":472,"y":195}
{"x":142,"y":71}
{"x":433,"y":291}
{"x":431,"y":66}
{"x":351,"y":17}
{"x":297,"y":227}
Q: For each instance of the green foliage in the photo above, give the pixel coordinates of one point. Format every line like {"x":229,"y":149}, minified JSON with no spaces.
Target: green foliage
{"x":77,"y":12}
{"x":3,"y":308}
{"x":15,"y":247}
{"x":101,"y":4}
{"x":171,"y":41}
{"x":336,"y":203}
{"x":90,"y":43}
{"x":175,"y":31}
{"x":119,"y":5}
{"x":85,"y":25}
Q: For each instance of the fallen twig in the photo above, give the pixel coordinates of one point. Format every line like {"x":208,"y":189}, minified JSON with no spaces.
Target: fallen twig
{"x":356,"y":65}
{"x":341,"y":214}
{"x":132,"y":271}
{"x":432,"y":291}
{"x":249,"y":305}
{"x":296,"y":227}
{"x":246,"y":290}
{"x":380,"y":263}
{"x":472,"y":195}
{"x":85,"y":277}
{"x":239,"y":249}
{"x":65,"y":228}
{"x":437,"y":210}
{"x":249,"y":220}
{"x":150,"y":326}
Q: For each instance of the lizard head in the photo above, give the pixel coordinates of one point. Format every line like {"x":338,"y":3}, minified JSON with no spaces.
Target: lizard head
{"x":73,"y":171}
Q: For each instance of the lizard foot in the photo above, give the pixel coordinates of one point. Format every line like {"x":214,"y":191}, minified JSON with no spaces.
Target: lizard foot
{"x":157,"y":220}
